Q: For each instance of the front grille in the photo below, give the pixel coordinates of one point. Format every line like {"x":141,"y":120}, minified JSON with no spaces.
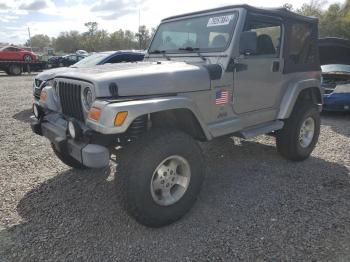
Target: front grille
{"x":70,"y":96}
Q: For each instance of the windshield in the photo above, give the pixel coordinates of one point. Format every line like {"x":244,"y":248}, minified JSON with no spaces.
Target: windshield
{"x":209,"y":33}
{"x":335,"y":68}
{"x":91,"y":60}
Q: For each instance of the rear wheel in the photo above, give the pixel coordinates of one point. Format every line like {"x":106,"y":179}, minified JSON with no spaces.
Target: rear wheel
{"x":299,"y":136}
{"x":15,"y":70}
{"x":164,"y":185}
{"x":67,"y":159}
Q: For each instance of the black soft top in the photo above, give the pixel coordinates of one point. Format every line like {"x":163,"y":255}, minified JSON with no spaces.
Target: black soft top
{"x":282,"y":12}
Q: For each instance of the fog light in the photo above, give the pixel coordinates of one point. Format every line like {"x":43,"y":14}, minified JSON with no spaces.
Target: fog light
{"x":74,"y":130}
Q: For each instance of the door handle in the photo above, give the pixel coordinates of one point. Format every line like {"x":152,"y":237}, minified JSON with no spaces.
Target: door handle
{"x":276,"y":66}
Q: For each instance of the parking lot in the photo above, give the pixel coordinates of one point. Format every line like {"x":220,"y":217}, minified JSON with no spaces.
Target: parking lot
{"x":254,"y":205}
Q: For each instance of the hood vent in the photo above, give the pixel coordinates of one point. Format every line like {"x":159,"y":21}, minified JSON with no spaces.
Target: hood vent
{"x":113,"y":89}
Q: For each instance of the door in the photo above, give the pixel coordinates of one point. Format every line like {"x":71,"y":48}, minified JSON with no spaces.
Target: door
{"x":258,"y":73}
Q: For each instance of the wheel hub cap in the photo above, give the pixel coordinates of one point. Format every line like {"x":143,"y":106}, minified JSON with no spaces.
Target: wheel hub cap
{"x":307,"y":132}
{"x":170,"y":180}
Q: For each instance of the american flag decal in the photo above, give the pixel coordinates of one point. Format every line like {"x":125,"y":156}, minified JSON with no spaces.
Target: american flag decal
{"x":221,"y":97}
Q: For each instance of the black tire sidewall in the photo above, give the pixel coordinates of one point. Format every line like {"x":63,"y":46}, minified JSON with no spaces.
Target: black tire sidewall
{"x":314,"y":114}
{"x":288,"y":143}
{"x":11,"y":70}
{"x":139,"y":175}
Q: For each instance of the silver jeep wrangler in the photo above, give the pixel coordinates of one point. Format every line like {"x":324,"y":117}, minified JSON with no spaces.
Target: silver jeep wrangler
{"x":231,"y":71}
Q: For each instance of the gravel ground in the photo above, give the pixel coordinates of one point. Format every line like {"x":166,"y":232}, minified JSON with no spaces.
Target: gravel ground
{"x":254,"y":206}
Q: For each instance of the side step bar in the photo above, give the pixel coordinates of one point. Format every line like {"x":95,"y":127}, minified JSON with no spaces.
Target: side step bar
{"x":261,"y":129}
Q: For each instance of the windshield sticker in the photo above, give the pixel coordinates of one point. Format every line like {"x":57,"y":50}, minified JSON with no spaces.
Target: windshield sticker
{"x":220,"y":20}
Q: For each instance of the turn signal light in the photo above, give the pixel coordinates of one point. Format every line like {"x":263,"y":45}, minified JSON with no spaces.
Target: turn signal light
{"x":120,"y":118}
{"x":95,"y":113}
{"x":43,"y":96}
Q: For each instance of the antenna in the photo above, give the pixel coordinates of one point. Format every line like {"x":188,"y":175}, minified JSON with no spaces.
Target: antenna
{"x":139,"y":29}
{"x":30,"y":40}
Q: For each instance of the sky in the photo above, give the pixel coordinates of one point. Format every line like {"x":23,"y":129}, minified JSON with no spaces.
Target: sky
{"x":51,"y":17}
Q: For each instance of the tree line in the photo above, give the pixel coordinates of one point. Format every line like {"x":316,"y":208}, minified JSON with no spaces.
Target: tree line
{"x":334,"y":21}
{"x":94,"y":40}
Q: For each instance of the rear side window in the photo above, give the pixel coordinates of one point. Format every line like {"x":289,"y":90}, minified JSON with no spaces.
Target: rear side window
{"x":301,"y":50}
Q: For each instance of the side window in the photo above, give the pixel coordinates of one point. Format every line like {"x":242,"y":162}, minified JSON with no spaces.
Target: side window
{"x":269,"y":35}
{"x":300,"y":44}
{"x":11,"y":49}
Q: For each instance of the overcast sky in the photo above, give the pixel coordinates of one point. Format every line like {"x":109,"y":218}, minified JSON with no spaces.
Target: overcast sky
{"x":51,"y":17}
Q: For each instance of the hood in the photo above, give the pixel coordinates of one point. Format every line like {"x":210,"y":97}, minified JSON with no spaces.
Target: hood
{"x":144,"y":78}
{"x":334,"y":51}
{"x":51,"y":73}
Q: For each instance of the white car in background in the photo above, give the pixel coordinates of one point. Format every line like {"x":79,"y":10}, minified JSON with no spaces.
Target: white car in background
{"x":82,"y":52}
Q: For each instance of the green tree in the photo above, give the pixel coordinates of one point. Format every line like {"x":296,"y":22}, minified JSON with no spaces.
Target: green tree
{"x":143,"y":37}
{"x":39,"y":41}
{"x":68,"y":42}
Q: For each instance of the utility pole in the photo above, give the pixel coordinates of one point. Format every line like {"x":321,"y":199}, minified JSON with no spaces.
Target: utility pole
{"x":139,"y":29}
{"x":30,"y":40}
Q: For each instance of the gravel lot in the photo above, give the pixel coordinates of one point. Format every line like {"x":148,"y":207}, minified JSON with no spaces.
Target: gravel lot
{"x":254,"y":205}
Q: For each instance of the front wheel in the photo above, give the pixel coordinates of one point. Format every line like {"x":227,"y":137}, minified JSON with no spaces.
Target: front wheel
{"x":159,"y":177}
{"x":299,"y":136}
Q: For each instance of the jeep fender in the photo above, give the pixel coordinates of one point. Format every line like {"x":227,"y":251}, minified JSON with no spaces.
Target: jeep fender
{"x":292,"y":93}
{"x":137,"y":108}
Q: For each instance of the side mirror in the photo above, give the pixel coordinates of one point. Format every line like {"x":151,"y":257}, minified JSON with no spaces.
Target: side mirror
{"x":248,"y":44}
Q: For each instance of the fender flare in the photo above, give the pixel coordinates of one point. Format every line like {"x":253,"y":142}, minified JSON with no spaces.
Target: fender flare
{"x":136,"y":108}
{"x":291,"y":95}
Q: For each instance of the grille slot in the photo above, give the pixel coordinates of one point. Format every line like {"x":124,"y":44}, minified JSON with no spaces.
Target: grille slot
{"x":70,"y":96}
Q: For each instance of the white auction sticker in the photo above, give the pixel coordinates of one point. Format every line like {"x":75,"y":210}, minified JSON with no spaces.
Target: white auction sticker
{"x":220,"y":20}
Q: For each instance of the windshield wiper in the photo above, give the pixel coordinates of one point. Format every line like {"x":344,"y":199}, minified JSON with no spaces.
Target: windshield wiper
{"x":193,"y":49}
{"x":161,"y":52}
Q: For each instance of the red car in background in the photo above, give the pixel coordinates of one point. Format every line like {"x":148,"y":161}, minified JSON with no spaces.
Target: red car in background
{"x":11,"y":53}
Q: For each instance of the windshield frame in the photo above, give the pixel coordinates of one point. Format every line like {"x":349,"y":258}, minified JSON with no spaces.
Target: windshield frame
{"x":212,"y":50}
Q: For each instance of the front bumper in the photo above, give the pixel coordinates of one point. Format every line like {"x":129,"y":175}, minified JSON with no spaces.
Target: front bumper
{"x":55,"y":129}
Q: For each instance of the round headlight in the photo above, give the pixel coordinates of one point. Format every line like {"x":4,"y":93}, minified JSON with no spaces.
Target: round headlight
{"x":71,"y":129}
{"x":88,"y":98}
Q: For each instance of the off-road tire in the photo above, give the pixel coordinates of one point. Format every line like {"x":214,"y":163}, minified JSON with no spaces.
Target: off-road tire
{"x":287,"y":139}
{"x":67,"y":159}
{"x":135,"y":169}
